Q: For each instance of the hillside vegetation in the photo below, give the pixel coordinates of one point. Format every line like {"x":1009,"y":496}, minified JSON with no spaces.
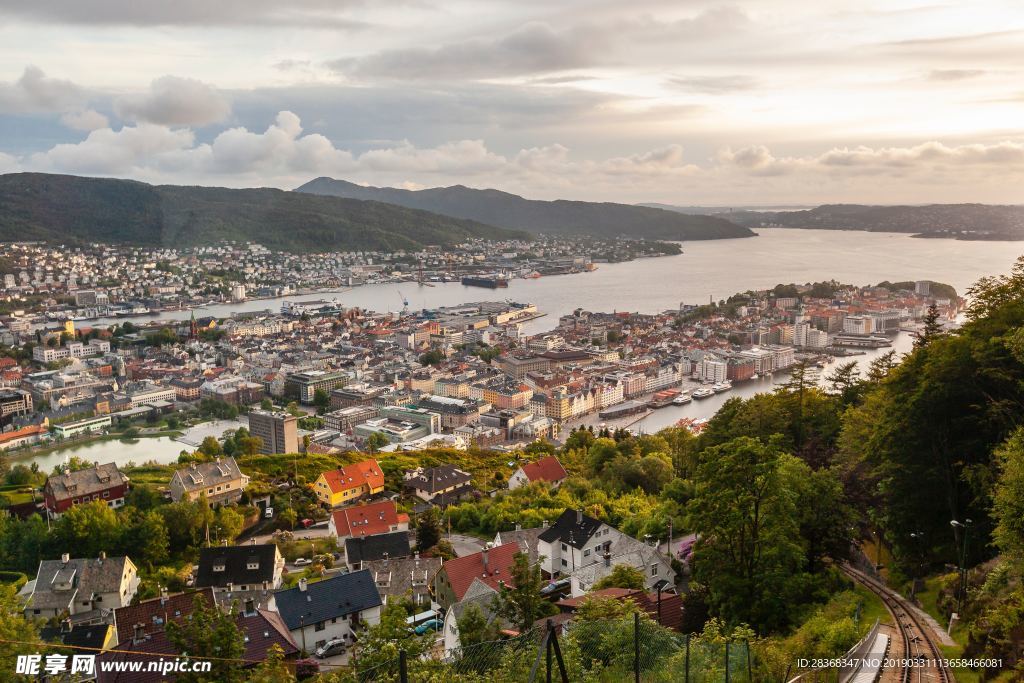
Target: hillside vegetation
{"x":600,"y":219}
{"x":72,"y":209}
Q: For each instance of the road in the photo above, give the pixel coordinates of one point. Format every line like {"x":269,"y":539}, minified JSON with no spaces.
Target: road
{"x":465,"y":545}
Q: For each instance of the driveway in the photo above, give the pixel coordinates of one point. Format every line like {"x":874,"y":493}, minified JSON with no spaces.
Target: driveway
{"x":465,"y":545}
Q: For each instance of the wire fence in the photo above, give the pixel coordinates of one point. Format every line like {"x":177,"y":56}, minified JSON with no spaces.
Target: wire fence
{"x":630,"y":648}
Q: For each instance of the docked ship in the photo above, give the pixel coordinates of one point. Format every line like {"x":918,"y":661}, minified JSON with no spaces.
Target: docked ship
{"x":703,"y":392}
{"x":721,"y":387}
{"x":488,"y":281}
{"x":682,"y":399}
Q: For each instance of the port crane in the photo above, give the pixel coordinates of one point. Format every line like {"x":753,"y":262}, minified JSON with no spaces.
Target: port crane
{"x":405,"y":302}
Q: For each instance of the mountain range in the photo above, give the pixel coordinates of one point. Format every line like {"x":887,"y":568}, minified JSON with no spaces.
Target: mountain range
{"x":73,"y":209}
{"x":560,"y":217}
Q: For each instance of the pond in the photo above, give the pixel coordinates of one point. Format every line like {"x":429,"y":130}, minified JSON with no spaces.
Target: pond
{"x":161,"y":449}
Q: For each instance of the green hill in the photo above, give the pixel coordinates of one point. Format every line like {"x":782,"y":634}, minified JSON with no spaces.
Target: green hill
{"x":73,"y":209}
{"x":600,"y":219}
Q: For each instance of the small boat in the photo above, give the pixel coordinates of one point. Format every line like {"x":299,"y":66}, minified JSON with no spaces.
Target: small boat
{"x":721,"y":387}
{"x":703,"y":392}
{"x":682,"y":399}
{"x":755,"y":376}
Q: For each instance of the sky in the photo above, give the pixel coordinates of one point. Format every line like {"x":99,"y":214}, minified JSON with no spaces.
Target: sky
{"x":690,"y":102}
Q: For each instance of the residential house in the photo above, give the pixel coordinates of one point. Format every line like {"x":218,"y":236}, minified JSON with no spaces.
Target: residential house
{"x":622,"y":549}
{"x":84,"y":588}
{"x":573,"y":541}
{"x":479,"y":594}
{"x":102,"y":482}
{"x":405,"y":577}
{"x":88,"y":636}
{"x":492,"y":566}
{"x":439,"y":485}
{"x":547,"y":469}
{"x":237,"y":573}
{"x":333,"y":608}
{"x":665,"y":607}
{"x":348,"y":484}
{"x":221,"y":481}
{"x":379,"y":547}
{"x":367,"y":520}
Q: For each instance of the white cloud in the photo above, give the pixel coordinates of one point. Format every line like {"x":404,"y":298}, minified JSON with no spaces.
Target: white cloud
{"x":85,"y":119}
{"x":35,"y":92}
{"x":174,"y":101}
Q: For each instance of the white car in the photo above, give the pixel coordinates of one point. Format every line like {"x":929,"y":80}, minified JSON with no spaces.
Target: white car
{"x":302,"y":562}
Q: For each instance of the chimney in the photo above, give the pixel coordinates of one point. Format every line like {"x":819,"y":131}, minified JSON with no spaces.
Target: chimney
{"x":138,"y":633}
{"x":544,"y":524}
{"x":519,"y":527}
{"x":579,"y":516}
{"x":65,"y":558}
{"x":65,"y":625}
{"x":483,"y":558}
{"x":607,"y":559}
{"x":302,"y":585}
{"x":163,"y":595}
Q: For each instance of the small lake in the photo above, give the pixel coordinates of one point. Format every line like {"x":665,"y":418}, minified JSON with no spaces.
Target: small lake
{"x":161,"y":449}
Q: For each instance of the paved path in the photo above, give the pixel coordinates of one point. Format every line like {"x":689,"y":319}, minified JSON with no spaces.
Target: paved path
{"x":465,"y":545}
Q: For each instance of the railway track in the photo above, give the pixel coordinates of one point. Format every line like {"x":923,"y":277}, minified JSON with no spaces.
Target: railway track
{"x":922,"y":660}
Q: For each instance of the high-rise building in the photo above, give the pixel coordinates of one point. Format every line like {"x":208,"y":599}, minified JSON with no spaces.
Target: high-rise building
{"x":277,"y":430}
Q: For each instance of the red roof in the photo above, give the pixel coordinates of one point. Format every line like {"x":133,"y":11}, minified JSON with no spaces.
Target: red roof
{"x":364,"y":473}
{"x":671,"y":604}
{"x":23,"y":432}
{"x":368,"y":520}
{"x":462,"y":570}
{"x":547,"y":469}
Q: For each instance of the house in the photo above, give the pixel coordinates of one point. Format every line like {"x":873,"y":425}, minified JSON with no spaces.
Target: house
{"x":84,"y":588}
{"x":221,"y":481}
{"x":527,"y":540}
{"x":367,"y":520}
{"x":439,"y":485}
{"x":548,"y":470}
{"x":359,"y":550}
{"x":240,"y":572}
{"x":147,"y":617}
{"x":623,"y":549}
{"x":479,"y":594}
{"x":492,"y":566}
{"x":102,"y":482}
{"x":89,"y":636}
{"x":574,"y":540}
{"x":405,"y":577}
{"x":333,"y":608}
{"x":147,"y":637}
{"x":348,"y":484}
{"x":665,"y":608}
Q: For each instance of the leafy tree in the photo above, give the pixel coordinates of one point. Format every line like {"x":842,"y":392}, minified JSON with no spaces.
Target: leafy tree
{"x":428,"y":530}
{"x":382,"y":642}
{"x":14,"y":629}
{"x":520,"y":601}
{"x":321,"y":399}
{"x":1008,"y":498}
{"x":287,"y":518}
{"x":148,"y":539}
{"x":249,"y":445}
{"x":209,"y":633}
{"x":932,"y":327}
{"x":211,"y":447}
{"x":622,"y":576}
{"x":273,"y":669}
{"x":475,"y":628}
{"x":87,"y":529}
{"x":227,"y":524}
{"x":846,"y":384}
{"x":376,"y":441}
{"x":432,"y":357}
{"x":266,"y":404}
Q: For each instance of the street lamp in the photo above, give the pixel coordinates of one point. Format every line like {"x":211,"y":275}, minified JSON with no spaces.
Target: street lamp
{"x":960,"y":533}
{"x":918,"y":541}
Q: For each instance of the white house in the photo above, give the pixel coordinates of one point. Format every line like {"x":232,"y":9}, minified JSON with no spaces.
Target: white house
{"x":334,"y":608}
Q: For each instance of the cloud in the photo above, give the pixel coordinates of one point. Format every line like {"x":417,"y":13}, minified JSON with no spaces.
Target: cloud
{"x":531,"y":49}
{"x":35,"y":92}
{"x":174,"y":101}
{"x":713,"y":85}
{"x":954,"y":74}
{"x":85,"y":119}
{"x":323,"y":13}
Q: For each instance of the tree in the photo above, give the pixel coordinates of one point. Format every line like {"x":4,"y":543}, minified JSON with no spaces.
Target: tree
{"x":1008,"y":498}
{"x":87,"y":529}
{"x":622,"y":576}
{"x":266,"y":404}
{"x":148,"y":539}
{"x":520,"y":601}
{"x":376,"y":441}
{"x":209,"y":633}
{"x":846,"y":384}
{"x":382,"y":641}
{"x":932,"y":327}
{"x":287,"y":518}
{"x":227,"y":524}
{"x":321,"y":399}
{"x":15,"y":629}
{"x":249,"y":445}
{"x":210,"y":447}
{"x":476,"y":628}
{"x":428,"y":530}
{"x":273,"y":669}
{"x":432,"y":357}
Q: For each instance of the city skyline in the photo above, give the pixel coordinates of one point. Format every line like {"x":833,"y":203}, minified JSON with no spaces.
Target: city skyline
{"x":688,"y":103}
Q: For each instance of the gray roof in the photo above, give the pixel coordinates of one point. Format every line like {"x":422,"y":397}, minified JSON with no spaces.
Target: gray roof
{"x":86,"y":576}
{"x":85,"y":482}
{"x":572,"y":528}
{"x":206,"y":474}
{"x":377,"y":547}
{"x":398,"y":576}
{"x":629,"y":551}
{"x":236,"y":561}
{"x":335,"y":597}
{"x":526,"y":538}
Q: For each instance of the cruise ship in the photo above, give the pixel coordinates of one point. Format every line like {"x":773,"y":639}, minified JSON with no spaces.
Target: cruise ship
{"x":704,"y":392}
{"x":721,"y":387}
{"x":488,"y":281}
{"x":682,"y":399}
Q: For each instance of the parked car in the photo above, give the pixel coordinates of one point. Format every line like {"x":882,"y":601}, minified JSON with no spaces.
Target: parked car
{"x":306,"y":523}
{"x":334,"y":646}
{"x":427,"y":626}
{"x":302,"y":562}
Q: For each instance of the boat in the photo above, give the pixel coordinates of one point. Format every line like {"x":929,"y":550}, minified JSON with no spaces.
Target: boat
{"x":682,"y":399}
{"x":490,"y":282}
{"x":721,"y":387}
{"x":703,"y":392}
{"x":755,"y":376}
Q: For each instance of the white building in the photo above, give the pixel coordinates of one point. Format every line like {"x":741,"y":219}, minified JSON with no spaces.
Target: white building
{"x":712,"y":369}
{"x":332,"y":609}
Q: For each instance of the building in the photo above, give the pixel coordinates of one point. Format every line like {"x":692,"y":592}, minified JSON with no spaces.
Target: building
{"x":148,"y":393}
{"x":380,"y":547}
{"x":73,"y":349}
{"x":395,"y":431}
{"x":186,"y":388}
{"x":241,"y":572}
{"x":348,"y":484}
{"x":345,"y":420}
{"x":14,"y":402}
{"x":405,"y":577}
{"x":858,"y":324}
{"x":440,"y":485}
{"x":453,"y":412}
{"x":480,"y":595}
{"x":359,"y":521}
{"x":334,"y":608}
{"x":491,"y":566}
{"x":713,"y":369}
{"x":923,"y":288}
{"x":102,"y":482}
{"x":302,"y":386}
{"x":66,"y":430}
{"x":622,"y":549}
{"x":548,"y":470}
{"x":574,"y":540}
{"x":220,"y":481}
{"x":665,"y":608}
{"x":82,"y":587}
{"x":277,"y":430}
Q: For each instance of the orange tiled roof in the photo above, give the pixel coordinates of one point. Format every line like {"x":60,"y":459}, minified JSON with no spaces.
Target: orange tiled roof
{"x":364,"y":473}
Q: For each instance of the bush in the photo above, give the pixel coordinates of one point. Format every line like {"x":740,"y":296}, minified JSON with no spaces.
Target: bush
{"x":16,"y":579}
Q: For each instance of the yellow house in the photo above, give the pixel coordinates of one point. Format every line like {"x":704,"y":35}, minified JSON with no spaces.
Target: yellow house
{"x":349,"y":483}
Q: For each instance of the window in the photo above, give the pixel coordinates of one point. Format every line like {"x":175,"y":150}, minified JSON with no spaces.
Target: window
{"x":565,"y":548}
{"x":320,"y":626}
{"x":654,"y":570}
{"x":564,"y":563}
{"x":106,"y":494}
{"x":586,"y":553}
